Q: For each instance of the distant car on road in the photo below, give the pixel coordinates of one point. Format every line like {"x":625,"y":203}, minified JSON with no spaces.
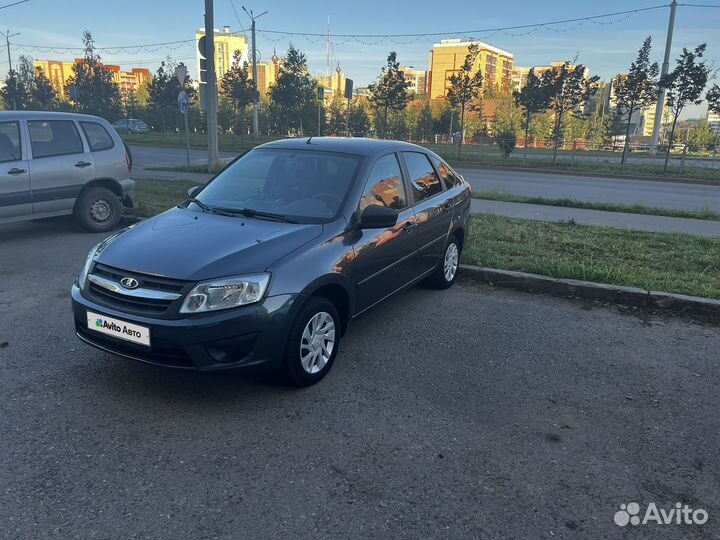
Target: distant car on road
{"x":267,"y":264}
{"x":130,"y":126}
{"x":53,"y":164}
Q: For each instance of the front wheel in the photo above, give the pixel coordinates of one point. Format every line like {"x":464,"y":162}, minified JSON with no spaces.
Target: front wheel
{"x":446,"y":271}
{"x":98,"y":210}
{"x":313,"y":343}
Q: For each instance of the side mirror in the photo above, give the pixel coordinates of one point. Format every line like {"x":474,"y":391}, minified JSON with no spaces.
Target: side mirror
{"x":193,"y":191}
{"x":378,"y":217}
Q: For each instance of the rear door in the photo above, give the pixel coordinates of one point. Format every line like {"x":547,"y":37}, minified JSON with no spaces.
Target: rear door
{"x":433,"y":208}
{"x":15,"y":196}
{"x":61,"y":164}
{"x":385,"y":259}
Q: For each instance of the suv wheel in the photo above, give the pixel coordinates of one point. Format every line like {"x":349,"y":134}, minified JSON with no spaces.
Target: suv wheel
{"x":313,"y":342}
{"x":446,"y":272}
{"x":98,"y":210}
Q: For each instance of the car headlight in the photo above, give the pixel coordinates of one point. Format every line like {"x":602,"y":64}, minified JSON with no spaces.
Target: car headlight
{"x":94,"y":253}
{"x":225,"y":293}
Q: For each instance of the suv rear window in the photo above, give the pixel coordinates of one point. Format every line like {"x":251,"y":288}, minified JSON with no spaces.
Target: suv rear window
{"x":9,"y":141}
{"x":97,"y":136}
{"x":54,"y":138}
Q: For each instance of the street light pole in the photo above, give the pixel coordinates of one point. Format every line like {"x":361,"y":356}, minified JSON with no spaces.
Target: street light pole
{"x":256,"y":98}
{"x":211,"y":88}
{"x":10,"y":68}
{"x":660,"y":107}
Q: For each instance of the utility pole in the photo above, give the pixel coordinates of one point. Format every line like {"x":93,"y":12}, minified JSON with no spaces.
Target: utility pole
{"x":660,"y":107}
{"x":211,"y":88}
{"x":253,"y":51}
{"x":8,"y":35}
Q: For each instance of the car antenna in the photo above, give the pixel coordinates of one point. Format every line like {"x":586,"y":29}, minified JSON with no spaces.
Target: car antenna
{"x":309,"y":139}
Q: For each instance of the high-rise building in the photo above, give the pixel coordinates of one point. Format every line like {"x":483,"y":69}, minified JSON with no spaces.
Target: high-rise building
{"x":447,"y":57}
{"x":714,"y":122}
{"x":333,"y":83}
{"x":226,"y":43}
{"x":520,"y":74}
{"x":267,"y":74}
{"x":59,"y":72}
{"x":417,"y":79}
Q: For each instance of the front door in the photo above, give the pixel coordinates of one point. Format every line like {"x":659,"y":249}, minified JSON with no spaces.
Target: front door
{"x":60,"y":164}
{"x":15,"y":196}
{"x":433,"y":209}
{"x":385,"y":259}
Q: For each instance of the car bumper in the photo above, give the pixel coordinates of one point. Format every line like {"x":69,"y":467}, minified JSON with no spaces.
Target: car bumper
{"x":128,"y":192}
{"x":249,"y":337}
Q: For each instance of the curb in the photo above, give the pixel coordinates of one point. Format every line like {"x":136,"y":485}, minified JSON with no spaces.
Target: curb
{"x":609,"y":175}
{"x":694,"y":306}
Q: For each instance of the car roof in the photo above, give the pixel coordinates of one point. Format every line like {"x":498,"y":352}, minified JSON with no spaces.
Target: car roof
{"x":45,"y":115}
{"x":359,"y":146}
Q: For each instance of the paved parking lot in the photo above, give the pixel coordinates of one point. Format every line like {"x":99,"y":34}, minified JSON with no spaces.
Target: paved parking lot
{"x":470,"y":413}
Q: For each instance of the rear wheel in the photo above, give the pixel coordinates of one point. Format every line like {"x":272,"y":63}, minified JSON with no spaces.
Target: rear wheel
{"x":312,"y":343}
{"x":98,"y":210}
{"x":446,"y":271}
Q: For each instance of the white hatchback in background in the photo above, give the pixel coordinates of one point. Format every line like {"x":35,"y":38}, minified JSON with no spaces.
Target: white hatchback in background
{"x":52,"y":164}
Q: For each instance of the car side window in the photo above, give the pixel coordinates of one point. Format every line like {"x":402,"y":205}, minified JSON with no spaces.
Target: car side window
{"x":424,"y":179}
{"x":97,"y":136}
{"x":54,"y":138}
{"x":447,"y":175}
{"x":10,"y":146}
{"x":384,"y":186}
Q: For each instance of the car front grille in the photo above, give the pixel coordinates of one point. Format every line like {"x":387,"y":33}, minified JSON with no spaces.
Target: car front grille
{"x":154,"y":295}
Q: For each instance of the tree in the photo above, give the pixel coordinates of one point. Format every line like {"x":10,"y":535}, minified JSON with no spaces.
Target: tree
{"x":238,"y":89}
{"x":294,"y":92}
{"x":533,"y":98}
{"x":425,"y":122}
{"x":637,"y":89}
{"x":465,"y":86}
{"x":569,"y":88}
{"x":684,"y":85}
{"x":336,"y":116}
{"x":163,"y":92}
{"x":389,"y":93}
{"x":359,"y":119}
{"x":700,"y":137}
{"x":713,"y":99}
{"x":97,"y":93}
{"x":14,"y":93}
{"x":42,"y":93}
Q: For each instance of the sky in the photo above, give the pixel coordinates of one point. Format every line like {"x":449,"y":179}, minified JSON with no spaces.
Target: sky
{"x":606,"y":49}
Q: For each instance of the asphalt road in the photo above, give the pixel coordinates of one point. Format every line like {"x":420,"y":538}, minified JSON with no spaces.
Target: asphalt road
{"x":596,"y":189}
{"x":586,"y":188}
{"x":468,"y":413}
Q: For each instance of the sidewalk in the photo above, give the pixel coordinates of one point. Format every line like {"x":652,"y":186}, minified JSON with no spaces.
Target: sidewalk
{"x":621,"y":220}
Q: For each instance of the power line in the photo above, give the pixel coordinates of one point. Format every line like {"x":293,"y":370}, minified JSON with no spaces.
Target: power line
{"x":14,"y":4}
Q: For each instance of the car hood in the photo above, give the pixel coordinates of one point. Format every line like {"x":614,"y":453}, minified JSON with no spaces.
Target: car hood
{"x":189,"y":245}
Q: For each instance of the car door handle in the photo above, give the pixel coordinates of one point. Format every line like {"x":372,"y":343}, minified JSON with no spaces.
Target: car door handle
{"x":82,"y":164}
{"x":447,"y":206}
{"x":409,"y":226}
{"x":15,"y":171}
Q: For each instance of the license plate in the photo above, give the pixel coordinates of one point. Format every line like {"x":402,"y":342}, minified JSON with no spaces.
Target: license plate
{"x":118,"y":329}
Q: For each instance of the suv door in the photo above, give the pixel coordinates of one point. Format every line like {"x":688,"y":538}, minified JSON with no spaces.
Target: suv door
{"x":60,"y":166}
{"x":385,"y":259}
{"x":15,"y":196}
{"x":433,"y":208}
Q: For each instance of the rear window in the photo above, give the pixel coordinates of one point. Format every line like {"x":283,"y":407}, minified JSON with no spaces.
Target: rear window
{"x":10,"y":149}
{"x":447,"y":175}
{"x":54,"y":138}
{"x":97,"y":136}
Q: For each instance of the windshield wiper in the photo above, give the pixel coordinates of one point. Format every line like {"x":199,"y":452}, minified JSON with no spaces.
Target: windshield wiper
{"x":212,"y":209}
{"x":251,"y":212}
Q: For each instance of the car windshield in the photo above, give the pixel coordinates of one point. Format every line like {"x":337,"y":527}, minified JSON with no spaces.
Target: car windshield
{"x":306,"y":185}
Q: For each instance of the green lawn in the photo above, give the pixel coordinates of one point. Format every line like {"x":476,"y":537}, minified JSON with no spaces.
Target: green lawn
{"x":664,"y":262}
{"x":658,"y":261}
{"x":704,"y":213}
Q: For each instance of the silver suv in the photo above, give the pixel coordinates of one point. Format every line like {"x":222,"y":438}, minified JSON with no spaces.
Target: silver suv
{"x":53,"y":164}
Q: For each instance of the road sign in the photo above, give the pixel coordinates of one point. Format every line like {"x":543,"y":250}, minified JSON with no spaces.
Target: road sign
{"x":181,"y":73}
{"x":183,"y":103}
